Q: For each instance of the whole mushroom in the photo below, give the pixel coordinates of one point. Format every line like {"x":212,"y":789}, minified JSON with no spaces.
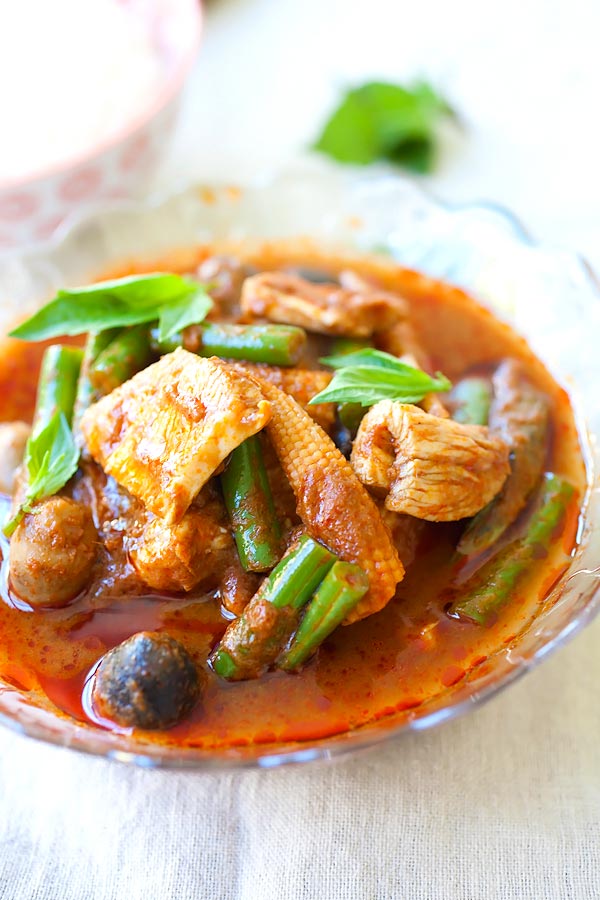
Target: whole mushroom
{"x":52,"y":552}
{"x":149,"y":681}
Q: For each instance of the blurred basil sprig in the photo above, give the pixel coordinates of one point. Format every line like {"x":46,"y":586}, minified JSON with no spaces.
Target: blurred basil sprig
{"x":386,"y":121}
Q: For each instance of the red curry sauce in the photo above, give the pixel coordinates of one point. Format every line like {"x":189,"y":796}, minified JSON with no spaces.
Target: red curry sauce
{"x":395,"y":660}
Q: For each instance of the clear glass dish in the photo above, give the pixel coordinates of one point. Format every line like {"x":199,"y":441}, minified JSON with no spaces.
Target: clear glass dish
{"x":551,"y":297}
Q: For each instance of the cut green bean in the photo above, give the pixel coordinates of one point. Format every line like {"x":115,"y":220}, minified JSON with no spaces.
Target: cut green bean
{"x":343,"y":345}
{"x":519,"y":414}
{"x":57,"y":384}
{"x":253,"y":641}
{"x":492,"y":586}
{"x":86,"y":394}
{"x":126,"y":354}
{"x":51,"y":455}
{"x":339,"y":592}
{"x":276,"y":345}
{"x":251,"y":509}
{"x":470,"y":399}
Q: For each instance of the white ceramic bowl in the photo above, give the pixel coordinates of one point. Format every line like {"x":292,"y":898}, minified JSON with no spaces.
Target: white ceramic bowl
{"x":31,"y":208}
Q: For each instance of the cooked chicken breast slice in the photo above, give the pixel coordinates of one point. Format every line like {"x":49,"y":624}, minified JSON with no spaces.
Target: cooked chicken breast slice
{"x":431,"y":468}
{"x":334,"y":506}
{"x":324,"y":308}
{"x":163,"y":433}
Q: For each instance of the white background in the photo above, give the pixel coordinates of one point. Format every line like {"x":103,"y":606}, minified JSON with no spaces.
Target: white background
{"x":506,"y":802}
{"x":523,"y":74}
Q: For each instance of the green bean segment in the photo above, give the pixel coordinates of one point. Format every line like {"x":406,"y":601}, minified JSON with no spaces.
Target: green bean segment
{"x":251,"y":509}
{"x":126,"y":354}
{"x":350,"y":414}
{"x":57,"y":384}
{"x":492,"y":586}
{"x":339,"y":592}
{"x":519,"y":414}
{"x":471,"y":399}
{"x":253,"y":641}
{"x":276,"y":345}
{"x":343,"y":345}
{"x":86,"y":393}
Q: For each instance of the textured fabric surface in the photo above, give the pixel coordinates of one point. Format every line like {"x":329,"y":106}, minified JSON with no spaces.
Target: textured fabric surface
{"x":503,"y":804}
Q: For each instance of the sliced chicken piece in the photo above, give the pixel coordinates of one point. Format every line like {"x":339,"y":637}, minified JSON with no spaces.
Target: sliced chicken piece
{"x":324,"y":308}
{"x":431,"y":468}
{"x":334,"y":506}
{"x":13,"y":437}
{"x":178,"y":557}
{"x":163,"y":433}
{"x":302,"y":385}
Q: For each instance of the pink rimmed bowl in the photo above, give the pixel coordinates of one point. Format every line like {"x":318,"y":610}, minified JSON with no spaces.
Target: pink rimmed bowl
{"x":118,"y":165}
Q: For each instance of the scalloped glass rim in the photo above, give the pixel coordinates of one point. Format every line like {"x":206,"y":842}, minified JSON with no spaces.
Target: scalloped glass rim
{"x":480,"y":248}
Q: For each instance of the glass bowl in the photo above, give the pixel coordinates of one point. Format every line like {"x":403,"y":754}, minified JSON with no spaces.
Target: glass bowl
{"x":550,"y":296}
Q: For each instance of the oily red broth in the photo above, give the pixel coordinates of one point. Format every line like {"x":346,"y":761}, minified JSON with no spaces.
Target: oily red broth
{"x":390,"y":662}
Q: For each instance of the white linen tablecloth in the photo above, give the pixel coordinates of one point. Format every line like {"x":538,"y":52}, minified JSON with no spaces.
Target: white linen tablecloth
{"x":503,"y":804}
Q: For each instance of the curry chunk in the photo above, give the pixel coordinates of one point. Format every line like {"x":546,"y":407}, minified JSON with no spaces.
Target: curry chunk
{"x":430,"y":467}
{"x":163,"y":433}
{"x":324,"y":308}
{"x":178,"y":557}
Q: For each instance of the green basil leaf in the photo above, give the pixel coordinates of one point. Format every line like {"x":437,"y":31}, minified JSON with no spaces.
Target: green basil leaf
{"x":187,"y":311}
{"x":51,"y":458}
{"x":417,"y":154}
{"x":368,"y":376}
{"x":350,"y":135}
{"x":367,"y":357}
{"x":106,"y":304}
{"x":386,"y":121}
